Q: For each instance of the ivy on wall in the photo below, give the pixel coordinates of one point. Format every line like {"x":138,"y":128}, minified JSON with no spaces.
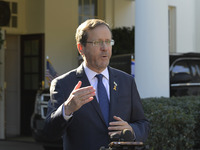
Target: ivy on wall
{"x":124,"y":40}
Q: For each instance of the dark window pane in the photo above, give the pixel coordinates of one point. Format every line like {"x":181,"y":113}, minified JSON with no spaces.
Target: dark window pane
{"x":14,"y":21}
{"x":85,"y":18}
{"x":86,"y":7}
{"x":179,"y":67}
{"x":87,"y":10}
{"x":195,"y":70}
{"x":35,"y":47}
{"x":80,"y":19}
{"x":14,"y":7}
{"x":27,"y":82}
{"x":80,"y":7}
{"x":27,"y":65}
{"x":94,"y":7}
{"x":35,"y":64}
{"x":27,"y":48}
{"x":35,"y":82}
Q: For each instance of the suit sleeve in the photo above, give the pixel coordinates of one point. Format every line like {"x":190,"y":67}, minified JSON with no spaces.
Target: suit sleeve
{"x":55,"y":124}
{"x":139,"y":123}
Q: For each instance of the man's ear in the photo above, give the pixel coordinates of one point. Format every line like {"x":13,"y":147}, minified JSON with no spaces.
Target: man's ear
{"x":80,"y":48}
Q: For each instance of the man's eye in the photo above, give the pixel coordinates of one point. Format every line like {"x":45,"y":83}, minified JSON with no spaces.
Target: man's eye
{"x":96,"y":42}
{"x":107,"y":42}
{"x":101,"y":42}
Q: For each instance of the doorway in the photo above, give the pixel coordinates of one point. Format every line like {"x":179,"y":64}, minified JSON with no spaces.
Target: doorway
{"x":32,"y":75}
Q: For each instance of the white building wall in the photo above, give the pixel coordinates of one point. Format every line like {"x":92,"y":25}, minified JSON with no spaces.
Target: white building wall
{"x":197,"y":23}
{"x":185,"y":25}
{"x":151,"y":48}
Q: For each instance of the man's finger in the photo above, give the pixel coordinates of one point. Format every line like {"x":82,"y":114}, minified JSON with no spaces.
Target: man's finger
{"x":118,"y":132}
{"x":78,"y":85}
{"x":117,"y":118}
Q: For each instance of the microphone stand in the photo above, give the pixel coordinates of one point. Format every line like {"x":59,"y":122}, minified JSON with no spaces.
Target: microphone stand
{"x":125,"y":145}
{"x":125,"y":141}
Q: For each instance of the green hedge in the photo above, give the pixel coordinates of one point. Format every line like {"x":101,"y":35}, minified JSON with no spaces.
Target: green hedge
{"x":175,"y":123}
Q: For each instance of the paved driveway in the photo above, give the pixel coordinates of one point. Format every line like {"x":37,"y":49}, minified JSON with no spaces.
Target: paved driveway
{"x":12,"y":144}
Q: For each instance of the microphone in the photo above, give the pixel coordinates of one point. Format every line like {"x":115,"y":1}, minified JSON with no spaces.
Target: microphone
{"x":115,"y":137}
{"x":123,"y":141}
{"x":127,"y":136}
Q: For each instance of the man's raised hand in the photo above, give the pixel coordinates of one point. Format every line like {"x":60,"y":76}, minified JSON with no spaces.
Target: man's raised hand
{"x":78,"y":97}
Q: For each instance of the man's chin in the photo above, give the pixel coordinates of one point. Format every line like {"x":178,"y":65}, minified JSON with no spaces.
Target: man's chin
{"x":103,"y":66}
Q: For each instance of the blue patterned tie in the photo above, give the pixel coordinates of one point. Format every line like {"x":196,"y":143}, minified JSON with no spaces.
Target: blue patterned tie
{"x":103,"y":98}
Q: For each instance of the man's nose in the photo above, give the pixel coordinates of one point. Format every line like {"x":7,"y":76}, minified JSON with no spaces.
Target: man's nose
{"x":104,"y":45}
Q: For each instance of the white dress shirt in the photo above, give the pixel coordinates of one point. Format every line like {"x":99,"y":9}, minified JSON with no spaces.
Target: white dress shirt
{"x":94,"y":81}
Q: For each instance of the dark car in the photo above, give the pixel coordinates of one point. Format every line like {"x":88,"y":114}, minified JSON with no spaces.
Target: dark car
{"x":185,"y":74}
{"x":184,"y":70}
{"x":37,"y":121}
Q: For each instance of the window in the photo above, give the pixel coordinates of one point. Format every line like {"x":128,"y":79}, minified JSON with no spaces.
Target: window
{"x":89,"y":9}
{"x":172,"y":28}
{"x":13,"y":23}
{"x":191,"y":67}
{"x":195,"y":69}
{"x":180,"y":67}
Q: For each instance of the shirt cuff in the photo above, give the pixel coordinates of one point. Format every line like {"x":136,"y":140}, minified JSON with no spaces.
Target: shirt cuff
{"x":65,"y":116}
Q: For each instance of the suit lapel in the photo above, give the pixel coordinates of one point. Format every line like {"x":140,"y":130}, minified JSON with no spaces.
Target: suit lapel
{"x":85,"y":82}
{"x":114,"y":87}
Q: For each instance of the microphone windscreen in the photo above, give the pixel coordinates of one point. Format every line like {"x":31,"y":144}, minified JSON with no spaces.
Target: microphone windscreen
{"x":126,"y":135}
{"x":114,"y":137}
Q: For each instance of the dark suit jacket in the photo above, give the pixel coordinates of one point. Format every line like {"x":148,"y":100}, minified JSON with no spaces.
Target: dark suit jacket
{"x":86,"y":130}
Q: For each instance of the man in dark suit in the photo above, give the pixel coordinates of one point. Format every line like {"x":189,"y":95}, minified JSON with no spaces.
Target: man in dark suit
{"x":74,"y":110}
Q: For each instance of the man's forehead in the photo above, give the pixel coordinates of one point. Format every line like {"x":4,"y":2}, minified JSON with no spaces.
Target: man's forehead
{"x":99,"y":31}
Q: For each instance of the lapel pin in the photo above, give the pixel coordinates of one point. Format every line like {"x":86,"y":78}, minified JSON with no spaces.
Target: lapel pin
{"x":115,"y":86}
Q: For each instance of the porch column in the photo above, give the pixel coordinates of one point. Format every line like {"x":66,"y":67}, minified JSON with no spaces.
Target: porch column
{"x":151,"y":48}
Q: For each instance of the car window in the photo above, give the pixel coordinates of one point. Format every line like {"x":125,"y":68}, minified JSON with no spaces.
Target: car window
{"x":180,"y":67}
{"x":195,"y":69}
{"x":185,"y":75}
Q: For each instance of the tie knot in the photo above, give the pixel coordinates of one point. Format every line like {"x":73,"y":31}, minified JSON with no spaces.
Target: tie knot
{"x":99,"y":77}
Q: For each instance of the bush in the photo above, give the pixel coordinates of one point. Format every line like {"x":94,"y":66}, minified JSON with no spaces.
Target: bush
{"x":175,"y":123}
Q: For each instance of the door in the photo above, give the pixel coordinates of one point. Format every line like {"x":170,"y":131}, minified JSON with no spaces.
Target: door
{"x":32,"y":74}
{"x":2,"y":89}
